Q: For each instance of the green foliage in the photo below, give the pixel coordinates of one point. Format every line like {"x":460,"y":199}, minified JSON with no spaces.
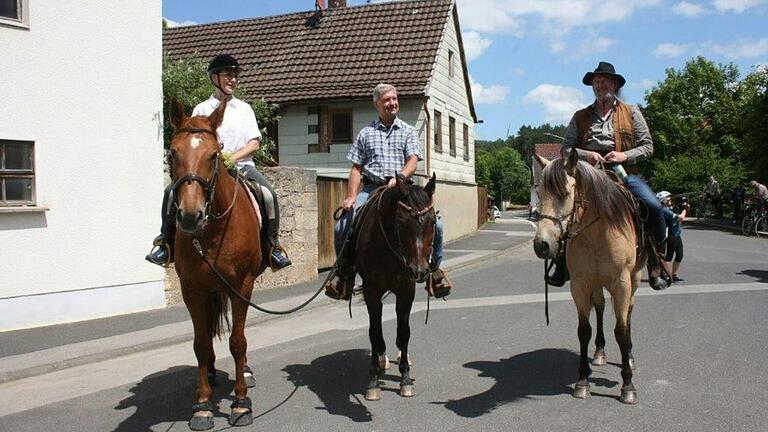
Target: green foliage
{"x":186,"y":79}
{"x":503,"y":172}
{"x":754,"y":95}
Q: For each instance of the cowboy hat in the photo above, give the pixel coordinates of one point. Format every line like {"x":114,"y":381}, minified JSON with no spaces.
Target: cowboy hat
{"x":604,"y":68}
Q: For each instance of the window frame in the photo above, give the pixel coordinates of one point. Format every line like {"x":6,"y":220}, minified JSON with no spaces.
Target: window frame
{"x":452,"y":135}
{"x":451,"y":64}
{"x":438,"y":125}
{"x":324,"y":128}
{"x":23,"y":15}
{"x":6,"y":173}
{"x":347,"y":139}
{"x":465,"y":138}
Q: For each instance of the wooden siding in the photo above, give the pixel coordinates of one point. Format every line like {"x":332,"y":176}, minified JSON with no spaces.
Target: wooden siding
{"x":330,"y":193}
{"x":483,"y":211}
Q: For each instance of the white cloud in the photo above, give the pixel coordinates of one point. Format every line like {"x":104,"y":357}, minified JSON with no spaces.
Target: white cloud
{"x":737,"y":6}
{"x":688,"y":9}
{"x":487,"y":95}
{"x":474,"y":44}
{"x":670,"y":50}
{"x":643,"y":84}
{"x":172,"y":23}
{"x":559,"y":102}
{"x":591,"y":47}
{"x":742,"y":49}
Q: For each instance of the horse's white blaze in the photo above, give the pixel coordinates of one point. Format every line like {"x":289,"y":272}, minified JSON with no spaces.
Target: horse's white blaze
{"x":195,"y":142}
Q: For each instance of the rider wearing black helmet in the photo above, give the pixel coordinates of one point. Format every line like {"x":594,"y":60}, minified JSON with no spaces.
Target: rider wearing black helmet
{"x":239,"y":136}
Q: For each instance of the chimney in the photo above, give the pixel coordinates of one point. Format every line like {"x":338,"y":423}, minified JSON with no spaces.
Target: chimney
{"x":337,"y":4}
{"x":320,"y":5}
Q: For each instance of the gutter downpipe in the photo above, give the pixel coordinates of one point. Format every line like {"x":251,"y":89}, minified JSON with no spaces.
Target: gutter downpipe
{"x":427,"y":141}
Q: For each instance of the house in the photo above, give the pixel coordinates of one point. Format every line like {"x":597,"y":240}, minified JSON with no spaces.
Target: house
{"x":320,"y":67}
{"x":80,"y":160}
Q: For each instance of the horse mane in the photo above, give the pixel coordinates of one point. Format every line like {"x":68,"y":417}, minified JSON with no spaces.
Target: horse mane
{"x":599,"y":190}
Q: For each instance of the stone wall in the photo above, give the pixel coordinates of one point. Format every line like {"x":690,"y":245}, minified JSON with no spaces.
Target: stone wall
{"x":296,"y":190}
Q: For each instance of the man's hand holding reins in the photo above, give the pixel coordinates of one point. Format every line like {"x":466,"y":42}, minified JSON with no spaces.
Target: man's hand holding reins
{"x":594,"y":157}
{"x":348,"y":203}
{"x":616,"y":157}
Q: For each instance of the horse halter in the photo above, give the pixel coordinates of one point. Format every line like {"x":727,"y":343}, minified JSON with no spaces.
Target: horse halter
{"x":418,"y":214}
{"x":208,"y":185}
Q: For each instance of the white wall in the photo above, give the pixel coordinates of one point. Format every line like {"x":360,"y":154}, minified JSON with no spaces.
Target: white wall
{"x":83,"y":83}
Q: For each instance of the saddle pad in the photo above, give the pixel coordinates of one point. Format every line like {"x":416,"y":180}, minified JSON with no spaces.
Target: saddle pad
{"x":253,"y":203}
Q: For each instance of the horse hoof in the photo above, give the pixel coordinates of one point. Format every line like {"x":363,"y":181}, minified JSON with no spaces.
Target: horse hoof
{"x":250,"y":381}
{"x":241,"y":417}
{"x":628,"y":397}
{"x":406,"y":390}
{"x":632,"y":364}
{"x":400,"y":354}
{"x":384,"y":362}
{"x":581,"y":391}
{"x":373,"y":394}
{"x":599,"y":360}
{"x":201,"y":421}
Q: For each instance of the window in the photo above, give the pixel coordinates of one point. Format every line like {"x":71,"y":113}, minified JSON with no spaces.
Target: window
{"x":452,"y":135}
{"x":14,"y":12}
{"x":438,"y":132}
{"x":465,"y":138}
{"x":17,"y":173}
{"x":334,"y":126}
{"x":450,"y":63}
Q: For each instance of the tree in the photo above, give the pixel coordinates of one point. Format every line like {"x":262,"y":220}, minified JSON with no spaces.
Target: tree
{"x":186,"y":79}
{"x":754,"y":96}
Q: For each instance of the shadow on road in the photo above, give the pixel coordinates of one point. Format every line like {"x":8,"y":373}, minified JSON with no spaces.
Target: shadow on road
{"x":338,"y":380}
{"x":167,"y":397}
{"x":760,"y":275}
{"x":546,"y":372}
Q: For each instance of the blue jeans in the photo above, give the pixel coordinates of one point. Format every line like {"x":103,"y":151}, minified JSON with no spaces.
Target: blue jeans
{"x":341,"y":230}
{"x":655,"y":222}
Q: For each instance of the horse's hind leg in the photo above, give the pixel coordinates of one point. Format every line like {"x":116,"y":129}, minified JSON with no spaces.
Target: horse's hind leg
{"x":582,"y":297}
{"x":598,"y":300}
{"x":622,"y":299}
{"x":403,"y":308}
{"x":378,"y":347}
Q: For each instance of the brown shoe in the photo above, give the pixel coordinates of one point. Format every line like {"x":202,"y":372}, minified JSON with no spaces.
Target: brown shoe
{"x":438,"y":284}
{"x":339,"y":288}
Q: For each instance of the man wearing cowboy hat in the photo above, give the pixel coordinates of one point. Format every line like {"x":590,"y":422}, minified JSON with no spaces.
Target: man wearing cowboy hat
{"x":614,"y":133}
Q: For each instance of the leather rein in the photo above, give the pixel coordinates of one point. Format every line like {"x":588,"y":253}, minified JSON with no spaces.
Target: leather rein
{"x":418,"y":214}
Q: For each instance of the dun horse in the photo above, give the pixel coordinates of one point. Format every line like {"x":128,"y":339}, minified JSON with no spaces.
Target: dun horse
{"x":393,"y":251}
{"x":583,"y":205}
{"x":215,"y":214}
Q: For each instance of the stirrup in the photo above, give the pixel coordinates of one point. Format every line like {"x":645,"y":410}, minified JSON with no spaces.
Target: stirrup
{"x":158,"y":247}
{"x":439,"y":289}
{"x":275,"y":266}
{"x":337,"y":289}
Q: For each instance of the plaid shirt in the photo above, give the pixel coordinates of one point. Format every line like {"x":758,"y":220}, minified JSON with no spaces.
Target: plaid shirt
{"x":382,"y":151}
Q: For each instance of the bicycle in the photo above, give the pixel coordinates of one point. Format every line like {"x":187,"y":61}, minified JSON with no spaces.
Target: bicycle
{"x":748,"y":222}
{"x":761,"y":222}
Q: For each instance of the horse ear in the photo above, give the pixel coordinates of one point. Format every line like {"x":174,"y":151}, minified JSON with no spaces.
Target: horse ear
{"x":430,"y":187}
{"x":542,"y":161}
{"x":217,"y":116}
{"x":177,"y":113}
{"x":573,"y":160}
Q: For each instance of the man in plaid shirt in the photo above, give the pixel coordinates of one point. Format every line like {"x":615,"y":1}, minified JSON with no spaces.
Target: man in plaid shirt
{"x":383,"y":149}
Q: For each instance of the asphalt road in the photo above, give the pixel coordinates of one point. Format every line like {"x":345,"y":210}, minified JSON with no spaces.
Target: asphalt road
{"x":486,"y":361}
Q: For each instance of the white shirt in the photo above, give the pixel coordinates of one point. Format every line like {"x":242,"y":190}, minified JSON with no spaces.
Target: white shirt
{"x":238,"y":127}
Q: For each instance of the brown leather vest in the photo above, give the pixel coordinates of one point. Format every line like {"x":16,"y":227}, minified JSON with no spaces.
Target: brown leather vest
{"x":623,"y":132}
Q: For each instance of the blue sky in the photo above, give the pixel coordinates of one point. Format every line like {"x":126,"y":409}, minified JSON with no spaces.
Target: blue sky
{"x":527,"y":57}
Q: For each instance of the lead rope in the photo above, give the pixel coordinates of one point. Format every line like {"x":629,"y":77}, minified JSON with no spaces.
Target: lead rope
{"x":547,"y":268}
{"x":199,"y":248}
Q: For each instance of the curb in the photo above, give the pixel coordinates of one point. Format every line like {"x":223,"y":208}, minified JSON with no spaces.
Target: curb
{"x":18,"y":374}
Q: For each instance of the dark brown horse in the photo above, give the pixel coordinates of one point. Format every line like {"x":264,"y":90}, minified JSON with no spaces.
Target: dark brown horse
{"x":393,"y":251}
{"x":215,"y":214}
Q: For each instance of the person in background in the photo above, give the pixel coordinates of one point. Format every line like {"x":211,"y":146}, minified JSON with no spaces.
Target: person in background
{"x":674,"y":237}
{"x":712,"y":193}
{"x":737,"y":199}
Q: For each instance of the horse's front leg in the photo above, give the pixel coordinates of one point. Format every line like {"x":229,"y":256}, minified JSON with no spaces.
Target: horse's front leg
{"x":378,"y":347}
{"x":622,"y":300}
{"x":582,"y":296}
{"x":242,"y":407}
{"x":598,"y":300}
{"x":202,"y":409}
{"x":403,"y":309}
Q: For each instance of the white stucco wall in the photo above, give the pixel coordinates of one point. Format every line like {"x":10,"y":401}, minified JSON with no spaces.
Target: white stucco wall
{"x":83,"y":83}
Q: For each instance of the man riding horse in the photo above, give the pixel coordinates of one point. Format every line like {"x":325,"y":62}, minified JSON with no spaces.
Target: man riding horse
{"x":614,"y":133}
{"x":240,"y":137}
{"x":384,"y":149}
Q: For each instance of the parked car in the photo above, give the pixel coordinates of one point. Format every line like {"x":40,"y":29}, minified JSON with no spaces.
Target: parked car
{"x":496,"y":212}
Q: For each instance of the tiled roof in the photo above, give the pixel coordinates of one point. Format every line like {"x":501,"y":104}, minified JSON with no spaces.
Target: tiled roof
{"x":549,"y":151}
{"x":342,"y":57}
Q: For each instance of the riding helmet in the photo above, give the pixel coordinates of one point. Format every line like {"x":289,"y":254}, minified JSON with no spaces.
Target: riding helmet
{"x":223,"y":62}
{"x":662,"y":196}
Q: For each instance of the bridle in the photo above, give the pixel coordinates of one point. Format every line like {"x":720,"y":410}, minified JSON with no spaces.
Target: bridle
{"x":209,"y":185}
{"x":418,"y":214}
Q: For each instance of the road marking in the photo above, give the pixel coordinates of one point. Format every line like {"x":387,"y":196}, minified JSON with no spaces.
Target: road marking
{"x":44,"y":389}
{"x":508,"y":233}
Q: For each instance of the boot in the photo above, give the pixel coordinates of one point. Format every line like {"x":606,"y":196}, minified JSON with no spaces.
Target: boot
{"x":655,"y":280}
{"x":278,"y":258}
{"x":342,"y":283}
{"x":161,"y":252}
{"x":560,"y":275}
{"x":438,"y":284}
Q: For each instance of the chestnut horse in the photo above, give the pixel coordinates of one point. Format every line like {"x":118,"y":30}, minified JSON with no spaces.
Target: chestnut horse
{"x":215,"y":214}
{"x":394,"y":247}
{"x":587,"y":208}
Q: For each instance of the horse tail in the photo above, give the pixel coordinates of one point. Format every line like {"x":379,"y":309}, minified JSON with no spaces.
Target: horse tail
{"x":218,"y":306}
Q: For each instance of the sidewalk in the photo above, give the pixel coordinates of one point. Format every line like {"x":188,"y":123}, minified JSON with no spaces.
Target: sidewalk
{"x":725,"y":224}
{"x":35,"y":351}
